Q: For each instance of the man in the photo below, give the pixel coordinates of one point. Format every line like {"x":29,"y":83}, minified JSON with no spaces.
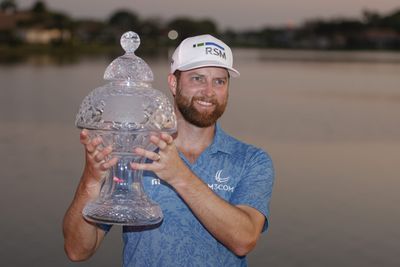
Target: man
{"x":214,"y":189}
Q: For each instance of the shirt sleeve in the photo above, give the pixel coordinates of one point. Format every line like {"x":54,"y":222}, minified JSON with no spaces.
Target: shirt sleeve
{"x":255,"y":186}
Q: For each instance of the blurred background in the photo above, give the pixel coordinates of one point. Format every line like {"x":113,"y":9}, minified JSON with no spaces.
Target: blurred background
{"x":319,"y":90}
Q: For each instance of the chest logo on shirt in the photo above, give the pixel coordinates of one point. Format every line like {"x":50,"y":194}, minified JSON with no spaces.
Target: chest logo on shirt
{"x":221,"y":183}
{"x":220,"y":179}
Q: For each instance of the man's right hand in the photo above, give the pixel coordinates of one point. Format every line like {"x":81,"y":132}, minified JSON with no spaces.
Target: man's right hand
{"x":97,"y":161}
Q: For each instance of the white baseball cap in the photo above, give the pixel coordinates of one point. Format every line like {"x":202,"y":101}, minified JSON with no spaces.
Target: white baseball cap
{"x":203,"y":51}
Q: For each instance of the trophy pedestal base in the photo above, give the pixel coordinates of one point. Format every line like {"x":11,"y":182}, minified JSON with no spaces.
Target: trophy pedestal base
{"x":123,"y":212}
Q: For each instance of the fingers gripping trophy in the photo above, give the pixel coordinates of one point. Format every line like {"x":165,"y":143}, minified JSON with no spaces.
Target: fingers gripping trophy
{"x":124,"y":113}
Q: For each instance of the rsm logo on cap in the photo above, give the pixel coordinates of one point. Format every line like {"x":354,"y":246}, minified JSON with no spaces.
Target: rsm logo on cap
{"x":212,"y":49}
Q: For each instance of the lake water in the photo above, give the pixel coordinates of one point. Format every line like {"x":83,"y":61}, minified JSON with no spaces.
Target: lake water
{"x":330,"y":121}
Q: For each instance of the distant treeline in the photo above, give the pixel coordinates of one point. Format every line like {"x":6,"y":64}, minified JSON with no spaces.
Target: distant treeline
{"x":371,"y":31}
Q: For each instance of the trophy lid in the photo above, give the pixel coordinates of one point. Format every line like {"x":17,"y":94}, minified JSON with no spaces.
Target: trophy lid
{"x":127,"y":102}
{"x":129,"y":67}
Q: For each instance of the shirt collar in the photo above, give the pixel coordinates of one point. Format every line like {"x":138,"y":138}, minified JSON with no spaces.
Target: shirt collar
{"x":221,"y":141}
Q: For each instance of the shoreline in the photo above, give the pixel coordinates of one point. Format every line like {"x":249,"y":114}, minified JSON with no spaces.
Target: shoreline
{"x":69,"y":54}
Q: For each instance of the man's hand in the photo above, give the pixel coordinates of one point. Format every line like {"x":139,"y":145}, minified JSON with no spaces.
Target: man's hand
{"x":96,"y":165}
{"x":167,"y":163}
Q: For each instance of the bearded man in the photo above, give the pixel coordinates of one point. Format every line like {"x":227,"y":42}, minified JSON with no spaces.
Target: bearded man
{"x":214,"y":191}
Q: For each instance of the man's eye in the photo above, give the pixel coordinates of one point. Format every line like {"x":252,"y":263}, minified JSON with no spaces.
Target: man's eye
{"x":220,"y":81}
{"x":197,"y":78}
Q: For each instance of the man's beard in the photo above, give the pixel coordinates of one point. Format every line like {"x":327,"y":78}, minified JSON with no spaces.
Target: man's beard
{"x":192,"y":115}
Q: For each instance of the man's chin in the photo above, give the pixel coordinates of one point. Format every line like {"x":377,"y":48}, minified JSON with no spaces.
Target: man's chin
{"x":203,"y":124}
{"x":206,"y":110}
{"x":201,"y":116}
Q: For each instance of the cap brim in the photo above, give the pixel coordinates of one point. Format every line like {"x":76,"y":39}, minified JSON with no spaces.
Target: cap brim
{"x":232,"y":71}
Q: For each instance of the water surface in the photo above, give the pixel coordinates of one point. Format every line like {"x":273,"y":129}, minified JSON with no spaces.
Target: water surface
{"x":330,"y":121}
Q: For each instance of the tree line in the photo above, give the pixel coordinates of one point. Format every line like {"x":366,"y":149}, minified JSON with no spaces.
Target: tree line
{"x":371,"y":31}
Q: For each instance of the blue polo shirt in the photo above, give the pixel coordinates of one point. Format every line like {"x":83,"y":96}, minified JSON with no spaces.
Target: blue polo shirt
{"x":235,"y":171}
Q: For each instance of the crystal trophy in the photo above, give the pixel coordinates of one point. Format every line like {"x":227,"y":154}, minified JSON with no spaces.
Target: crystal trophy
{"x":124,"y":113}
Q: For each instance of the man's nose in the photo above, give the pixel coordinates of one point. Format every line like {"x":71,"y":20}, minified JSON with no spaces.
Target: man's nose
{"x":208,"y":89}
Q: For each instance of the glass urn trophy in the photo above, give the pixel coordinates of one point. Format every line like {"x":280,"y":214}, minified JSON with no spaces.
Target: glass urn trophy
{"x":124,"y":113}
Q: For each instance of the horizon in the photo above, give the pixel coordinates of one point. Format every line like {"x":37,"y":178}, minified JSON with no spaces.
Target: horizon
{"x":271,"y":14}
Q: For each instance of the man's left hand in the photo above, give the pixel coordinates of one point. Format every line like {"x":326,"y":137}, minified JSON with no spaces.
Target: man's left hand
{"x":166,"y":164}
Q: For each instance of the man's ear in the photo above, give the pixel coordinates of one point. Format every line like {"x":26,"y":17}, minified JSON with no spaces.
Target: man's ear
{"x":172,"y":83}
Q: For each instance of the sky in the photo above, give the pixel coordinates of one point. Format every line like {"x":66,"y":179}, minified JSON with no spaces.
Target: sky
{"x":234,"y":14}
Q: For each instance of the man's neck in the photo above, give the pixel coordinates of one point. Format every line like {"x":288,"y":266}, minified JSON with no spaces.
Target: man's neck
{"x":193,"y":140}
